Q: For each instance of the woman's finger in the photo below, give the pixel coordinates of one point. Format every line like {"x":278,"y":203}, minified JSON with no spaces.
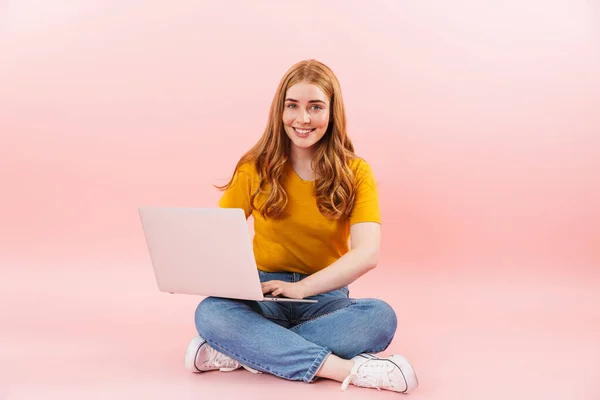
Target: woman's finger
{"x":267,"y":289}
{"x":270,"y":287}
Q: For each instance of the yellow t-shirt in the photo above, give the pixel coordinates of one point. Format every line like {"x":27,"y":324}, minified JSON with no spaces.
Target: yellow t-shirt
{"x":304,"y":241}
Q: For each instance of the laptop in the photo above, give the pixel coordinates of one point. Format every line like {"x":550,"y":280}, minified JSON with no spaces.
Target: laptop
{"x":203,"y":251}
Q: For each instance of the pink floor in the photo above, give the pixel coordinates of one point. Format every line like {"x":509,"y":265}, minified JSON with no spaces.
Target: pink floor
{"x":92,"y":330}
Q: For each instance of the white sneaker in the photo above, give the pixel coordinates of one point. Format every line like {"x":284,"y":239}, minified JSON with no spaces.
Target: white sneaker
{"x":391,"y":373}
{"x":200,"y":357}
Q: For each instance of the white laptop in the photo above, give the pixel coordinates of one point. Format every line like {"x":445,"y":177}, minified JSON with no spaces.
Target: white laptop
{"x":203,"y":251}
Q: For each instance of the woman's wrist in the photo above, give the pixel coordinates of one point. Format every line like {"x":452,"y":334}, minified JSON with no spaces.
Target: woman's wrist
{"x":304,"y":289}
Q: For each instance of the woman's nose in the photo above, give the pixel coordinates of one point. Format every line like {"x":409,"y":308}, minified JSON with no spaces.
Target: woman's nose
{"x":304,"y":117}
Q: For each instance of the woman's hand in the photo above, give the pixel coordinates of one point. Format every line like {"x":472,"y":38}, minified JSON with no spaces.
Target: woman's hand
{"x":293,"y":290}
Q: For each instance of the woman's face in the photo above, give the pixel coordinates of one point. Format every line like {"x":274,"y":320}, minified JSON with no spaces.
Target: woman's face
{"x":305,"y":114}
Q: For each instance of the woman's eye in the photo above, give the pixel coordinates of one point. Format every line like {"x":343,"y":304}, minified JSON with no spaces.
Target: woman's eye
{"x":315,"y":107}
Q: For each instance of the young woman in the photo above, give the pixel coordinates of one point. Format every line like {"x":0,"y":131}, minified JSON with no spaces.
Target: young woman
{"x":308,"y":194}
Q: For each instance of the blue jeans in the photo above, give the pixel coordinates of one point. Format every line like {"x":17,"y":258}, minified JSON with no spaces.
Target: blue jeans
{"x":292,"y":340}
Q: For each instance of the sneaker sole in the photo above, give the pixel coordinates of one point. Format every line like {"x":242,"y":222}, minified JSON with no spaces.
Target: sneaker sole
{"x":192,"y":353}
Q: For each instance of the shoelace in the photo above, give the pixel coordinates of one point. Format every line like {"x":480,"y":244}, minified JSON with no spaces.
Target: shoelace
{"x":224,"y":362}
{"x":372,"y":374}
{"x":219,"y":360}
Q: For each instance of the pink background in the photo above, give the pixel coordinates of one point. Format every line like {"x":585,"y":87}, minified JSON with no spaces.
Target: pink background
{"x":480,"y":120}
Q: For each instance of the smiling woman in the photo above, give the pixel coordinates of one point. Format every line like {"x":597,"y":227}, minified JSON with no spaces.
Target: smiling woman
{"x":308,"y":193}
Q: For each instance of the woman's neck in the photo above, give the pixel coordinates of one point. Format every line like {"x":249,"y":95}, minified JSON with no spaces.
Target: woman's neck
{"x":300,"y":156}
{"x":301,"y":161}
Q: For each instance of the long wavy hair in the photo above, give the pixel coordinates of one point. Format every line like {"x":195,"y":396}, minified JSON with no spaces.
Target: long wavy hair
{"x":334,"y":186}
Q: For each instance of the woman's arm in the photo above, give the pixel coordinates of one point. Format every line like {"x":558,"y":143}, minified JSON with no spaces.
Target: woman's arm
{"x":362,"y":257}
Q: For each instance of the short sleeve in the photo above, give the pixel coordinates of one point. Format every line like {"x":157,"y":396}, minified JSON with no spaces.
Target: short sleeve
{"x":366,"y":203}
{"x":238,"y":194}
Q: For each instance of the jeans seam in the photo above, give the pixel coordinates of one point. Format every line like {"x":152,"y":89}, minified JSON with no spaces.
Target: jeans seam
{"x":350,"y":303}
{"x":275,"y":318}
{"x":316,"y":365}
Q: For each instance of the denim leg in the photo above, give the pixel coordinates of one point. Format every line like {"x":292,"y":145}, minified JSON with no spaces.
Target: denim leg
{"x":346,"y":326}
{"x":239,"y":329}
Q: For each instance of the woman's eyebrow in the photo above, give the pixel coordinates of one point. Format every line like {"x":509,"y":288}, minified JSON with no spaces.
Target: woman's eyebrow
{"x":311,"y":101}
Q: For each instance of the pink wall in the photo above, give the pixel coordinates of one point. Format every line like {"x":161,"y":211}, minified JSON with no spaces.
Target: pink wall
{"x":482,"y":123}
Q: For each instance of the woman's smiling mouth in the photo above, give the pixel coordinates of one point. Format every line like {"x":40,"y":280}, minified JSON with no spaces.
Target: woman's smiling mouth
{"x":303,"y":132}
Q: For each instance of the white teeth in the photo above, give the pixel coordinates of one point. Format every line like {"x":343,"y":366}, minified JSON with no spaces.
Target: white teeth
{"x":303,"y":131}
